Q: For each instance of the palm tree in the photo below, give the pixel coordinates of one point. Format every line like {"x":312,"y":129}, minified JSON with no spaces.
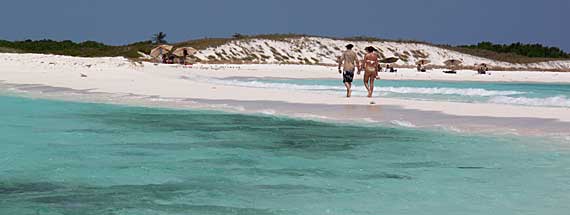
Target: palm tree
{"x":159,"y":38}
{"x":238,"y":36}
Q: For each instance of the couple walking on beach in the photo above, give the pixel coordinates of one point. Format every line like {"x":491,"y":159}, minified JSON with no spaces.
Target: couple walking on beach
{"x":349,"y":62}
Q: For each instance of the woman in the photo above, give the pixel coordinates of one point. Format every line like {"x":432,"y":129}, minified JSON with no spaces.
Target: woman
{"x":370,"y":69}
{"x":164,"y":58}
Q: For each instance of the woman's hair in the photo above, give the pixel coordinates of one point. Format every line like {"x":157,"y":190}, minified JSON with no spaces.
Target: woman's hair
{"x":370,"y":49}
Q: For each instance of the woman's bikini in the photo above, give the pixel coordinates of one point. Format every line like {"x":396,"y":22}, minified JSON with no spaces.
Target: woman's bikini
{"x":369,"y":66}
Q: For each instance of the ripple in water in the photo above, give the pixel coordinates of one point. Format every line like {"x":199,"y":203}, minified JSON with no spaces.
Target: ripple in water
{"x":73,"y":158}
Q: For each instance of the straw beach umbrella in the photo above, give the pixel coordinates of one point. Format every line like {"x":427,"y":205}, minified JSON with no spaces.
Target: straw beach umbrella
{"x":453,"y":62}
{"x":421,"y":65}
{"x":160,"y":50}
{"x":482,"y":68}
{"x":423,"y":62}
{"x":180,"y":51}
{"x":390,"y":60}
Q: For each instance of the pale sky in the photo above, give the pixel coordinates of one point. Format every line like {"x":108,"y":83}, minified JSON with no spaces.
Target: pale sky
{"x":439,"y":21}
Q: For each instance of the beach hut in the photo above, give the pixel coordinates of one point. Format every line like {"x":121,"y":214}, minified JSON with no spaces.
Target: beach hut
{"x":452,"y":64}
{"x":160,"y":50}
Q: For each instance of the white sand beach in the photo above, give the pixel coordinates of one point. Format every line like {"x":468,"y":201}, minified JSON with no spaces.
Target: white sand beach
{"x":121,"y":76}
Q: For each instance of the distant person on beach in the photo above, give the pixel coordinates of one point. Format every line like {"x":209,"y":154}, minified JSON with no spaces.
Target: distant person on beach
{"x":370,"y":69}
{"x":348,"y":62}
{"x":390,"y":68}
{"x":164,"y":58}
{"x":184,"y":56}
{"x":421,"y":68}
{"x":483,"y":69}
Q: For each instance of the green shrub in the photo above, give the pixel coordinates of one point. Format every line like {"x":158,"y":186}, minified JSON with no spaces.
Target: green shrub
{"x":527,"y":50}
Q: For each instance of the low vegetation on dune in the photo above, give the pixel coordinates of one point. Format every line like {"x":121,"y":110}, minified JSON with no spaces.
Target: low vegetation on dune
{"x":204,"y":43}
{"x":527,"y":50}
{"x":514,"y":53}
{"x":82,"y":49}
{"x":505,"y":57}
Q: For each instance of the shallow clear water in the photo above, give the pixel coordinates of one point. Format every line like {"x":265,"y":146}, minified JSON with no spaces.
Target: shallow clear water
{"x":79,"y":158}
{"x":529,"y":94}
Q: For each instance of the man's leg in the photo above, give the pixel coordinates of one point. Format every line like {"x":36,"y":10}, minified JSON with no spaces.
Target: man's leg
{"x":347,"y":85}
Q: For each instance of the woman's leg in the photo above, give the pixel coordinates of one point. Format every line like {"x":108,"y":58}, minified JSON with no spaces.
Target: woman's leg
{"x":366,"y":80}
{"x":371,"y":87}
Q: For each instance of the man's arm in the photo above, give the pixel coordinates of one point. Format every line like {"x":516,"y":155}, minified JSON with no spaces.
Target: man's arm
{"x":357,"y":63}
{"x":341,"y":59}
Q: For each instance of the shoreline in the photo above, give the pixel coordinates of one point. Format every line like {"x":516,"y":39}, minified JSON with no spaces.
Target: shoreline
{"x":411,"y":79}
{"x":330,"y":72}
{"x":118,"y":77}
{"x":387,"y":115}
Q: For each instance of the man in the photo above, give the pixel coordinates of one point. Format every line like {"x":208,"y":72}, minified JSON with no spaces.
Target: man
{"x":349,"y":62}
{"x":184,"y":56}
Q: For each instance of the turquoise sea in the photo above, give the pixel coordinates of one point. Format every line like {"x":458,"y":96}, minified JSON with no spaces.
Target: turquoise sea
{"x":82,"y":158}
{"x":526,"y":94}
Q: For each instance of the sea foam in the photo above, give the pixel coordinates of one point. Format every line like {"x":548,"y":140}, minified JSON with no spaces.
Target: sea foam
{"x":556,"y":101}
{"x":406,"y":124}
{"x":491,"y":96}
{"x":400,"y":90}
{"x":449,"y":91}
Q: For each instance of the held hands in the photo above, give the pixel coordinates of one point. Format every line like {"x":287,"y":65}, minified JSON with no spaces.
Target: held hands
{"x":339,"y":71}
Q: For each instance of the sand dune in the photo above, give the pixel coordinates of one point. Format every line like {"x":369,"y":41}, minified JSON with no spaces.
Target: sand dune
{"x":317,"y":50}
